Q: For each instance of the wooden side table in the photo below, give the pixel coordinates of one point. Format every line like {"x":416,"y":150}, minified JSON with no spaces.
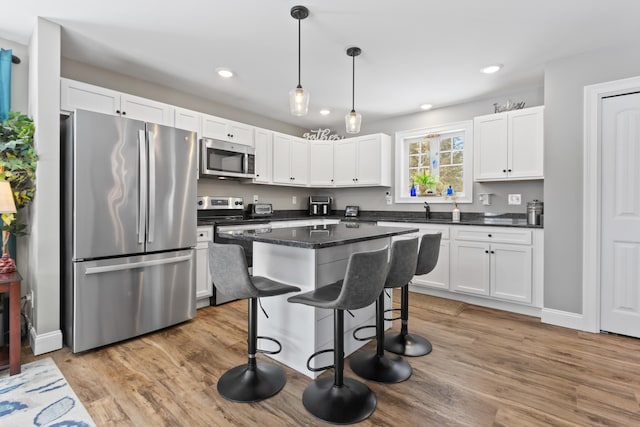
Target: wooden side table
{"x":10,"y":282}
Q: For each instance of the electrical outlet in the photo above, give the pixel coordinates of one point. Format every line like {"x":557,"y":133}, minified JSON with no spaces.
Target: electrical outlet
{"x":255,"y":198}
{"x":515,"y":199}
{"x":294,"y":200}
{"x":388,"y":198}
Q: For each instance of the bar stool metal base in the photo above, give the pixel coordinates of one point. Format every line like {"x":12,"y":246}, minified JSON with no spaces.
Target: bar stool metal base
{"x":347,"y":404}
{"x":382,"y":369}
{"x":406,"y":344}
{"x":245,"y":383}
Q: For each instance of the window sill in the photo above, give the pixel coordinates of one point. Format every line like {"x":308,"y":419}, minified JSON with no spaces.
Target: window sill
{"x":433,"y":200}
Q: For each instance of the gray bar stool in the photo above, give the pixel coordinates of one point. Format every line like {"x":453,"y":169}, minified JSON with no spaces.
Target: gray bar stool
{"x":403,"y":342}
{"x":342,"y":400}
{"x":378,"y":366}
{"x":253,"y":381}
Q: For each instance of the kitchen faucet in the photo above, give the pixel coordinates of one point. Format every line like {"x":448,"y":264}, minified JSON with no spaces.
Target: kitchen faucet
{"x":427,"y":210}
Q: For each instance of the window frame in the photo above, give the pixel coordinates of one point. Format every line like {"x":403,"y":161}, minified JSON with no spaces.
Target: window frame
{"x":402,"y":162}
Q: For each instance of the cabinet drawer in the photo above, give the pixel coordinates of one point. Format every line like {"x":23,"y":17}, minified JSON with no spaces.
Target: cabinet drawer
{"x":424,"y":228}
{"x":205,"y":234}
{"x":492,"y":234}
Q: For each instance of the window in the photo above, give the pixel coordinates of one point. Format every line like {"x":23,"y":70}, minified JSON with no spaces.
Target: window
{"x":443,"y":153}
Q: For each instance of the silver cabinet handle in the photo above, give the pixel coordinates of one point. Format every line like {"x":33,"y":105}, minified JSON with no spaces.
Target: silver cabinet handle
{"x":142,"y":185}
{"x":152,"y":187}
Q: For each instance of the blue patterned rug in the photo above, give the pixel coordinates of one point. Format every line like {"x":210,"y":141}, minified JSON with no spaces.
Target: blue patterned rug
{"x":40,"y":396}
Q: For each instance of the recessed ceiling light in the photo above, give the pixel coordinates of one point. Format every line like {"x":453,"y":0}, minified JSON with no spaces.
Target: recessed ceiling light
{"x":224,"y":73}
{"x":490,"y":69}
{"x":325,"y":112}
{"x":426,"y":106}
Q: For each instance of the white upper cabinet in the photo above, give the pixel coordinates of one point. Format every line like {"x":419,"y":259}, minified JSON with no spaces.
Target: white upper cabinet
{"x":321,"y":163}
{"x":290,"y":160}
{"x":264,"y":155}
{"x":362,"y":161}
{"x":75,"y":94}
{"x":227,"y":130}
{"x":509,"y":145}
{"x":187,"y":119}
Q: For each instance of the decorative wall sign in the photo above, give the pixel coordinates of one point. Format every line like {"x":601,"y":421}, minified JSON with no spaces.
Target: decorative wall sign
{"x":321,"y":135}
{"x":508,"y":106}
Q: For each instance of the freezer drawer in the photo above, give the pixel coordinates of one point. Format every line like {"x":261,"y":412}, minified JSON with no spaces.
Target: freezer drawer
{"x":116,"y":299}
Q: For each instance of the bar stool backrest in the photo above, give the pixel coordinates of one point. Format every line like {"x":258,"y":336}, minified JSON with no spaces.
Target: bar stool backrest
{"x":428,"y":254}
{"x":364,"y":279}
{"x":402,"y":266}
{"x":229,"y":271}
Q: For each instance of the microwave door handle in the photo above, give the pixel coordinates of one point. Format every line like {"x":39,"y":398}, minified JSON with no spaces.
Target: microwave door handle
{"x":152,"y":187}
{"x":142,"y":185}
{"x":245,"y":166}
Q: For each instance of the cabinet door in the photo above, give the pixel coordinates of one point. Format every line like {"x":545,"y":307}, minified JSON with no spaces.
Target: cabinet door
{"x":146,"y":110}
{"x":470,"y":267}
{"x":490,"y":147}
{"x":526,"y":143}
{"x":187,"y":119}
{"x":282,"y":159}
{"x":214,"y":127}
{"x":344,"y":162}
{"x":439,"y":276}
{"x":88,"y":97}
{"x":204,"y":286}
{"x":300,"y":161}
{"x":241,"y":133}
{"x":369,"y":160}
{"x":264,"y":150}
{"x":321,"y":163}
{"x":511,"y":274}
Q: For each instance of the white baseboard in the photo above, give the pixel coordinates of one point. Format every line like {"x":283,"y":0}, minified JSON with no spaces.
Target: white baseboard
{"x":565,"y":319}
{"x":44,"y":343}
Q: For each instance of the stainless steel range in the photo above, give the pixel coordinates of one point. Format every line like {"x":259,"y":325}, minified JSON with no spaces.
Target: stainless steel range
{"x":221,"y":212}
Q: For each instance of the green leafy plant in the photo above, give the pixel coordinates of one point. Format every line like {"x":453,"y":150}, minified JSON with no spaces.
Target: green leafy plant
{"x":425,"y":178}
{"x":18,"y":161}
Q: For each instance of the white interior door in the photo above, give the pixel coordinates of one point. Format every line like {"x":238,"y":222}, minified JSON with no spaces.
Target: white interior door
{"x":620,"y":256}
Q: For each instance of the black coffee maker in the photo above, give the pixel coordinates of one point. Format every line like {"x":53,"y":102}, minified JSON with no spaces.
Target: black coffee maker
{"x":319,"y":205}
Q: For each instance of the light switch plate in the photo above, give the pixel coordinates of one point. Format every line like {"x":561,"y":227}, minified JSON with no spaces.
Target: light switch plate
{"x":255,"y":198}
{"x":515,"y":199}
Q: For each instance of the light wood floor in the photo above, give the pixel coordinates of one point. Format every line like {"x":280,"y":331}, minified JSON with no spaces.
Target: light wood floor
{"x":488,"y":368}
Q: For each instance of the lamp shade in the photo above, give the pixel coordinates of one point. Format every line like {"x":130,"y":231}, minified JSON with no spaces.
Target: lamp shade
{"x":353,"y":121}
{"x":298,"y":101}
{"x":7,"y":204}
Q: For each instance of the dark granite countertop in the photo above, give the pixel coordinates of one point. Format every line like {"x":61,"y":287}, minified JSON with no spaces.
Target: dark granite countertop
{"x":318,"y":236}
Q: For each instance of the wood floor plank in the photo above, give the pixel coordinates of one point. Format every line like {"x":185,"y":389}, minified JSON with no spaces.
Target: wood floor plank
{"x":487,"y":368}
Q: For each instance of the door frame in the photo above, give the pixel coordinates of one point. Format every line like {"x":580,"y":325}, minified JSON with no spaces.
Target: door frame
{"x":592,"y":195}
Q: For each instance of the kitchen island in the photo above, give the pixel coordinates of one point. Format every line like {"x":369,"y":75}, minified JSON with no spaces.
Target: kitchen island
{"x":310,"y":257}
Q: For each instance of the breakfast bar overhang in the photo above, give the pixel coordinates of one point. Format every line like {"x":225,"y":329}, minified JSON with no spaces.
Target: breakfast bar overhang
{"x":310,"y":257}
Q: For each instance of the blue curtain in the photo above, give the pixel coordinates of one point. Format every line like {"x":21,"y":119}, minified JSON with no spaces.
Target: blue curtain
{"x":5,"y":83}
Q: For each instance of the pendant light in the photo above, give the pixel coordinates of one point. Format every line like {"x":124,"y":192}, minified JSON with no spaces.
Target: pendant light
{"x":353,"y":119}
{"x":298,"y":97}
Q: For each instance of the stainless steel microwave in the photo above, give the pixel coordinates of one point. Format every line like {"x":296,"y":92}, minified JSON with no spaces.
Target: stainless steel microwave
{"x":226,"y":159}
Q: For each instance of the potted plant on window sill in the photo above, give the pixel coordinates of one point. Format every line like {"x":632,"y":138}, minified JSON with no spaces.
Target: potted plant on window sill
{"x":18,"y":161}
{"x":426,"y":184}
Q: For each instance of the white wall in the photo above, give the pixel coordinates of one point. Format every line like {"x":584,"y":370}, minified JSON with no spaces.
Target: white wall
{"x":43,"y":243}
{"x":565,"y":80}
{"x":19,"y":75}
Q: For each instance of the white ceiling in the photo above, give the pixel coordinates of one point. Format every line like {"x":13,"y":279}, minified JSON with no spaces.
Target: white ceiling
{"x":413,"y":51}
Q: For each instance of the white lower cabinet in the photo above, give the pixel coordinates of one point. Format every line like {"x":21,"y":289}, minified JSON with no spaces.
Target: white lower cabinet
{"x":204,"y":284}
{"x":439,"y":276}
{"x":492,"y":262}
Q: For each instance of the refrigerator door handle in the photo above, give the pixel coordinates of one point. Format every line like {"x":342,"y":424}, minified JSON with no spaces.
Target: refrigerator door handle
{"x":152,"y":187}
{"x":142,"y":185}
{"x":141,"y":264}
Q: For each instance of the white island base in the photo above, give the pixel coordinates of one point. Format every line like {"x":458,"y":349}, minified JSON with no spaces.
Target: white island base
{"x":302,"y":330}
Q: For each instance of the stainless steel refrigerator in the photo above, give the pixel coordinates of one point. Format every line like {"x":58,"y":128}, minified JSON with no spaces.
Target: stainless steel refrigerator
{"x":129,"y":230}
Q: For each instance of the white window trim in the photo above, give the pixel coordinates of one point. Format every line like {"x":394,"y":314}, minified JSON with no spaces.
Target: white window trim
{"x":401,"y":169}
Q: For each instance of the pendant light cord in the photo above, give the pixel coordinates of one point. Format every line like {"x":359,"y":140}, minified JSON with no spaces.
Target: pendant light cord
{"x":353,"y":85}
{"x":299,"y":53}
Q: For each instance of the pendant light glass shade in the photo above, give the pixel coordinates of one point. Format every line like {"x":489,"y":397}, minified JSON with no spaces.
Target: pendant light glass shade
{"x":298,"y":101}
{"x":353,"y":120}
{"x":298,"y":97}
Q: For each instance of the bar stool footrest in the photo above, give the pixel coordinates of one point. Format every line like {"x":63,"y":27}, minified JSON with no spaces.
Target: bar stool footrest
{"x":269,"y":351}
{"x":316,"y":354}
{"x":358,"y":329}
{"x":391,"y":319}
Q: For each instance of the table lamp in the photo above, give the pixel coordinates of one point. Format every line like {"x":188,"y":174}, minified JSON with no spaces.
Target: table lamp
{"x":7,"y":206}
